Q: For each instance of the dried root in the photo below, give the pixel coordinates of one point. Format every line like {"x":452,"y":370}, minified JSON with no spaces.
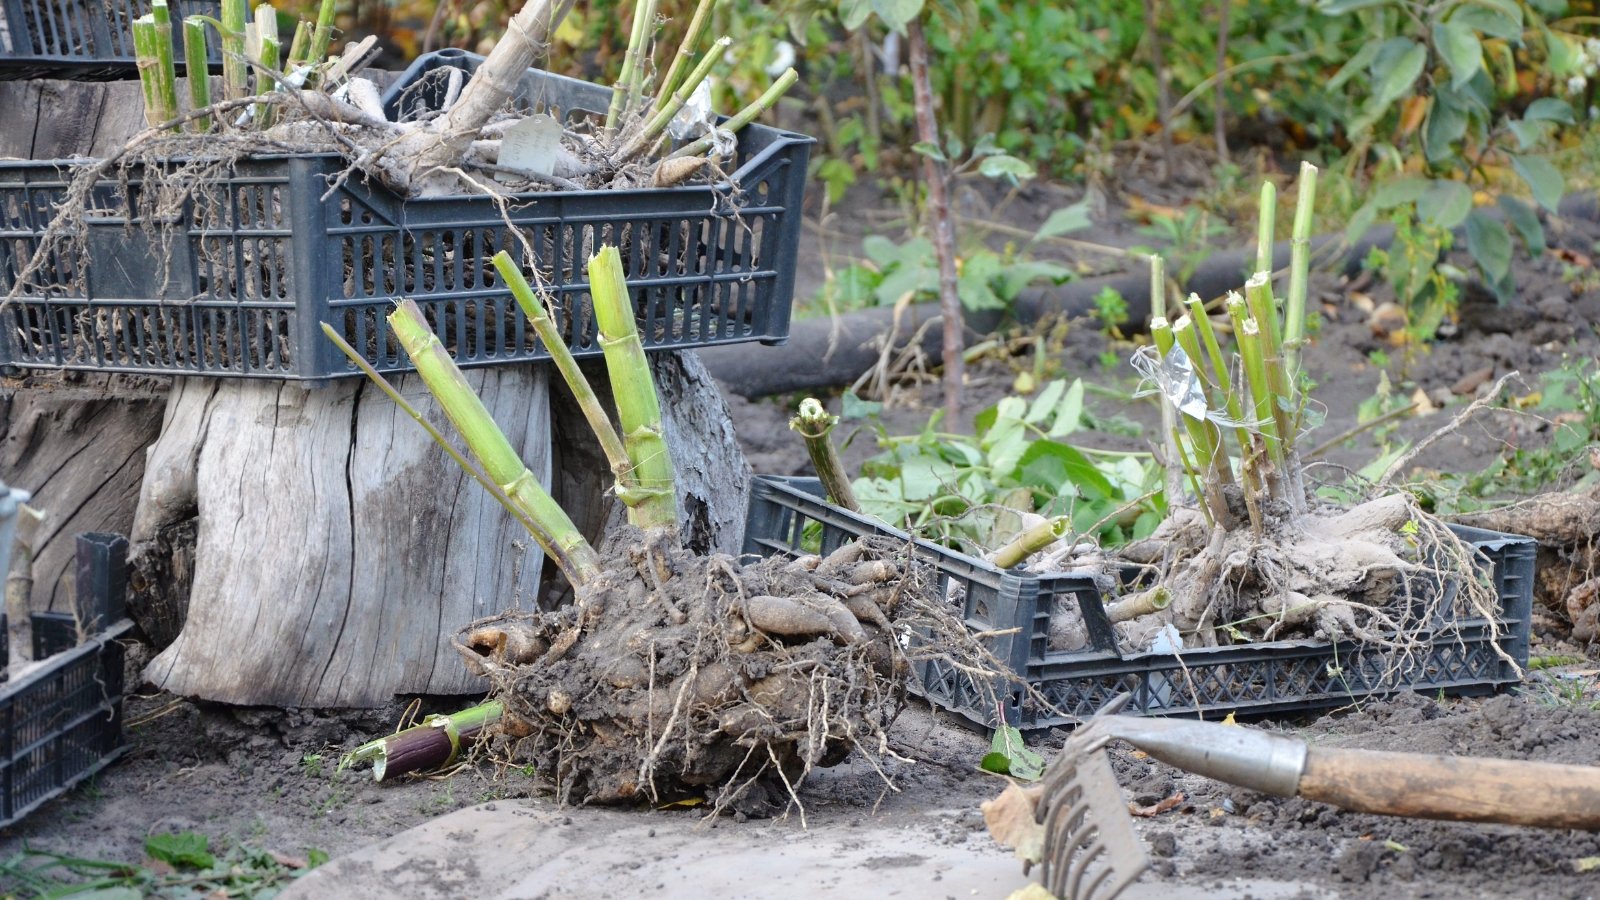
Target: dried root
{"x":680,"y":675}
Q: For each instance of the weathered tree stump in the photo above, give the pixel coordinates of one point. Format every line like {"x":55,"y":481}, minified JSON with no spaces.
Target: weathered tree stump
{"x":338,"y":550}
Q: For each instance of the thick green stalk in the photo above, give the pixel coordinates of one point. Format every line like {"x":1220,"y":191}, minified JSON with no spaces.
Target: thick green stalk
{"x":267,"y":29}
{"x":664,"y":113}
{"x":1258,"y":298}
{"x":1294,"y":326}
{"x":642,"y":64}
{"x":623,"y":93}
{"x":593,"y":411}
{"x":235,"y":69}
{"x":816,"y":426}
{"x":149,"y":80}
{"x":488,"y":443}
{"x":318,"y":52}
{"x":745,"y":116}
{"x":1031,"y":541}
{"x":1158,"y":286}
{"x":1255,"y":369}
{"x":299,"y":47}
{"x":1207,"y":437}
{"x":197,"y":69}
{"x":166,"y":74}
{"x":435,"y":743}
{"x":691,"y":37}
{"x":1219,"y":365}
{"x":1266,"y":227}
{"x":634,"y":393}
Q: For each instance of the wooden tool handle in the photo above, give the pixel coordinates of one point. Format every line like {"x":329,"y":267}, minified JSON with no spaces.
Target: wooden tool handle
{"x":1463,"y":789}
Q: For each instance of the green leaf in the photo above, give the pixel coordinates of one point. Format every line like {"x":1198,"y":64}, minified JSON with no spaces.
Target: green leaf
{"x":1397,"y":68}
{"x":1527,"y":223}
{"x":1066,"y":220}
{"x":315,"y":857}
{"x":1508,"y":8}
{"x":1489,"y":244}
{"x":973,"y":284}
{"x":1445,"y":204}
{"x":1400,"y":190}
{"x":854,"y":13}
{"x":1459,"y":46}
{"x":1002,"y":165}
{"x":1530,"y":133}
{"x":1069,"y":415}
{"x":851,"y":406}
{"x":1008,"y":755}
{"x":1542,"y":178}
{"x":1052,"y":466}
{"x":1361,"y":221}
{"x":897,"y":13}
{"x":1044,"y":404}
{"x":1549,"y":109}
{"x":1492,"y":22}
{"x":1340,"y":7}
{"x":931,"y":150}
{"x":184,"y":849}
{"x":1561,"y":58}
{"x":1355,"y":65}
{"x":1447,"y":123}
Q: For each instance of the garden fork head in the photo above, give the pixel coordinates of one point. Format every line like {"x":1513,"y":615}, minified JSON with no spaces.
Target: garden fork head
{"x":1090,"y":850}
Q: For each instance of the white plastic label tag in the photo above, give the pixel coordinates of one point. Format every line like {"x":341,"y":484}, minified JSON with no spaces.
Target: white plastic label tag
{"x":532,"y":145}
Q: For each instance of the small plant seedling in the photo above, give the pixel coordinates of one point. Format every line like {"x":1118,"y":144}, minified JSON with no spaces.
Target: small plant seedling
{"x":311,"y":765}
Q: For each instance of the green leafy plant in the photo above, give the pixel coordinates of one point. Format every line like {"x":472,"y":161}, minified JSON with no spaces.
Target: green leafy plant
{"x":967,"y":490}
{"x":177,"y":865}
{"x":1458,"y":95}
{"x":1411,"y":266}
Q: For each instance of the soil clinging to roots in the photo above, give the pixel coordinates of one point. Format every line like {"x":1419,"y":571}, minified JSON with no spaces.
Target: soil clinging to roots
{"x":680,"y":675}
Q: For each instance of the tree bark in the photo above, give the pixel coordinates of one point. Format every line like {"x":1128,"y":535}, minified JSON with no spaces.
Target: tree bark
{"x":944,"y":240}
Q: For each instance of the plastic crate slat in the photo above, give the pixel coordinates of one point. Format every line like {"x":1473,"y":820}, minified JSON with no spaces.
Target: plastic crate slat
{"x":1275,"y":677}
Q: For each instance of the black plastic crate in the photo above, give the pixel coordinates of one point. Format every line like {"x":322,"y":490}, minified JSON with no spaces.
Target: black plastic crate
{"x":62,"y":722}
{"x":258,"y":264}
{"x":788,"y":516}
{"x":88,"y":40}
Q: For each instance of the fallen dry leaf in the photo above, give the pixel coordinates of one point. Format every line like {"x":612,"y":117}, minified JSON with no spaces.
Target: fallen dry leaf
{"x":1423,"y":405}
{"x":1470,"y":382}
{"x":1587,"y":864}
{"x":1387,"y":320}
{"x":1034,"y":891}
{"x":288,"y":862}
{"x":1010,"y":820}
{"x":1156,"y":809}
{"x":1573,"y":257}
{"x":1363,"y":301}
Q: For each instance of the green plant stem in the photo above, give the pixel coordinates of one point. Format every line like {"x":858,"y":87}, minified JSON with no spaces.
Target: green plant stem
{"x":488,"y":443}
{"x":435,"y":743}
{"x":1031,"y":541}
{"x":267,"y":29}
{"x":744,"y":116}
{"x":1255,"y":368}
{"x":634,"y":391}
{"x":1219,"y":365}
{"x":664,"y":113}
{"x":1258,"y":299}
{"x":1209,"y":443}
{"x":691,"y":37}
{"x":1294,"y":327}
{"x":298,"y":47}
{"x":1200,"y":437}
{"x":1266,"y":227}
{"x":318,"y":52}
{"x":149,"y":80}
{"x":815,"y":426}
{"x":624,"y":92}
{"x":1158,"y":286}
{"x":197,"y":69}
{"x":166,"y":77}
{"x":235,"y":69}
{"x":594,"y":412}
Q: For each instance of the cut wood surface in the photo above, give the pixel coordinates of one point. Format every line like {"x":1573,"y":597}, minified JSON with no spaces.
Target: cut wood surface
{"x":338,"y":549}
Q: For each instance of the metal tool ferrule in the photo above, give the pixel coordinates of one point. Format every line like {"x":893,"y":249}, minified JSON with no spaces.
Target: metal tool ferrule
{"x":1242,"y":756}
